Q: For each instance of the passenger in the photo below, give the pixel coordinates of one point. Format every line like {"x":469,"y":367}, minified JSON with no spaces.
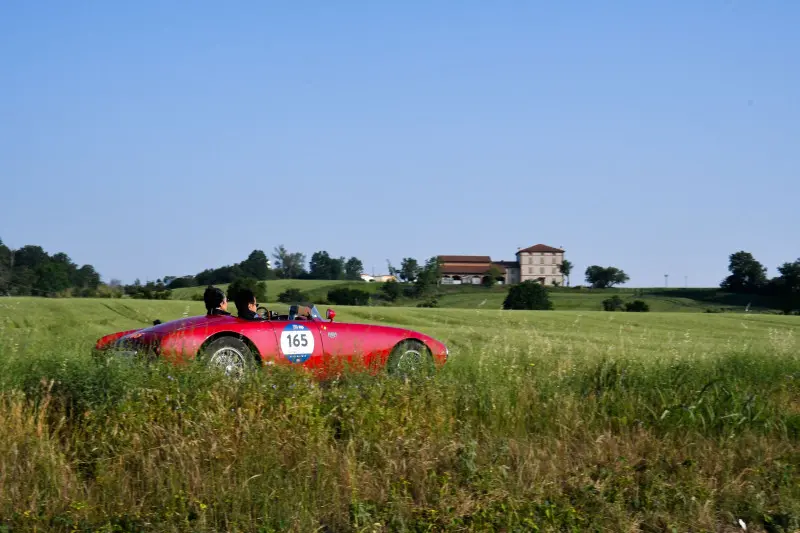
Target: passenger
{"x":247,"y":305}
{"x":216,"y":301}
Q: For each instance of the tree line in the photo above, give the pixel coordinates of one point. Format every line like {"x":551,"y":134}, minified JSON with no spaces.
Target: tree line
{"x":288,"y":265}
{"x":30,"y":271}
{"x":749,"y":276}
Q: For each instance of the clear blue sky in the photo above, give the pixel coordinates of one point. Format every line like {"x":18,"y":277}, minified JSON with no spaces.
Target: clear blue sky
{"x":161,"y":138}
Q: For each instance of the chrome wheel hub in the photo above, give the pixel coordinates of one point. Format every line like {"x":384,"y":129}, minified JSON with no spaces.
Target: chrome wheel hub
{"x":410,"y":361}
{"x":230,"y":361}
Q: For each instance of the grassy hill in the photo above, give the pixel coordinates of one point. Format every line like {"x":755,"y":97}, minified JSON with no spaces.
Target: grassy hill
{"x":564,"y":298}
{"x":548,"y":421}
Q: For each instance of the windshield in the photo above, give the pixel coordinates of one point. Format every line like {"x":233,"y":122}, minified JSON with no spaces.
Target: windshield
{"x":305,"y":310}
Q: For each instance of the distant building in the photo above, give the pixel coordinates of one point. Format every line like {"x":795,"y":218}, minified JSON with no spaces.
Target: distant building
{"x":464,"y":269}
{"x":538,"y":262}
{"x":380,"y":278}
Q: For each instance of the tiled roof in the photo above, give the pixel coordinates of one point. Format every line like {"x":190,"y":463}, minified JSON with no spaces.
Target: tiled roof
{"x":506,"y":264}
{"x":541,"y":248}
{"x":465,"y":258}
{"x":466,"y":269}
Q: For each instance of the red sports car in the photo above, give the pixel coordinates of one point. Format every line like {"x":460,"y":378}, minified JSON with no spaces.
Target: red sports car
{"x":302,"y":337}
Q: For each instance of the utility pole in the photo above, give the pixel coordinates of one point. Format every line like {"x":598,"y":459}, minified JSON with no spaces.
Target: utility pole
{"x":666,"y":280}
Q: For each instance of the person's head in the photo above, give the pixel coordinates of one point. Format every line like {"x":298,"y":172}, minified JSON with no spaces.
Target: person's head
{"x":214,"y":298}
{"x":245,"y":299}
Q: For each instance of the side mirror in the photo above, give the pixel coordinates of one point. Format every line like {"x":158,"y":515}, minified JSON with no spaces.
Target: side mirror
{"x":329,"y":314}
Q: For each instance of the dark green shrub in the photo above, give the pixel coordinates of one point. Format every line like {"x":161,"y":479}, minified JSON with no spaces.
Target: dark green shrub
{"x":637,"y":306}
{"x":391,"y":290}
{"x":612,"y":304}
{"x":431,"y":302}
{"x":292,"y":295}
{"x":346,"y":296}
{"x":528,"y":295}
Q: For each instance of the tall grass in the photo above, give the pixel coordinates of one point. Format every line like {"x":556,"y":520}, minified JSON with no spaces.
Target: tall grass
{"x":524,"y":430}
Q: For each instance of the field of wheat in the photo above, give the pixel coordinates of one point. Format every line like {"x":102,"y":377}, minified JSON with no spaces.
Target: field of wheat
{"x":540,"y":421}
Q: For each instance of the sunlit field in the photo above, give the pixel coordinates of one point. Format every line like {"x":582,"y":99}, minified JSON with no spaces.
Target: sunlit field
{"x":540,"y":421}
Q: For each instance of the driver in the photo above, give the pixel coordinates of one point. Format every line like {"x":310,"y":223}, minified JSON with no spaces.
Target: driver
{"x":216,"y":301}
{"x":246,"y":305}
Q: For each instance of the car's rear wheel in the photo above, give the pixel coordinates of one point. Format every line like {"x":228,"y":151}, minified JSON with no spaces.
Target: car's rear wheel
{"x":410,"y":358}
{"x":230,"y":356}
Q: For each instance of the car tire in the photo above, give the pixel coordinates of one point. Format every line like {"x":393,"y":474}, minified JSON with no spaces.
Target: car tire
{"x":410,"y":358}
{"x":230,"y":355}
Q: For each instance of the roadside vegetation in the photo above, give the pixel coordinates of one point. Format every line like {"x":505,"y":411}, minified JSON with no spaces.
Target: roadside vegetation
{"x":541,"y":421}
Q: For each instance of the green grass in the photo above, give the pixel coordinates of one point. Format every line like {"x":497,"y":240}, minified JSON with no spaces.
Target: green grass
{"x":541,"y":421}
{"x":564,"y":298}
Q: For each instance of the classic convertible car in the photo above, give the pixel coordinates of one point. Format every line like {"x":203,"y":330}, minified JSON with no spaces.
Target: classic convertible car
{"x":302,"y":337}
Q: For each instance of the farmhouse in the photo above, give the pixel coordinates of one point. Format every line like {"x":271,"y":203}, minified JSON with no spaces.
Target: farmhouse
{"x":381,"y":278}
{"x":539,"y":262}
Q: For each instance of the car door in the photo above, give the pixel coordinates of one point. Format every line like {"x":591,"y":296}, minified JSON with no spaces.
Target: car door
{"x":347,"y":345}
{"x":262,"y":334}
{"x":299,"y":342}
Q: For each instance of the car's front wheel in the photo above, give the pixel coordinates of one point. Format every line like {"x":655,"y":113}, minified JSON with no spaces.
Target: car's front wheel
{"x":410,"y":358}
{"x":229,"y":355}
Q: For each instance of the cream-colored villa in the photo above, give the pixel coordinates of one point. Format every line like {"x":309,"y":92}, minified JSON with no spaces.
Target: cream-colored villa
{"x":539,"y":262}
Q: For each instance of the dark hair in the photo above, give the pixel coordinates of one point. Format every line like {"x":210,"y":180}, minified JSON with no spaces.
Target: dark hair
{"x":243,"y":298}
{"x":213,"y":298}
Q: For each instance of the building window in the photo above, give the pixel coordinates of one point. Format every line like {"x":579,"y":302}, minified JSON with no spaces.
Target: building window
{"x":555,"y":270}
{"x":541,"y":270}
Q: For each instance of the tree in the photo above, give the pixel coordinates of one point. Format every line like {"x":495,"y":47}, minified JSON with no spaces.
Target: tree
{"x":428,"y":277}
{"x":256,"y":265}
{"x":786,"y":287}
{"x":601,"y":278}
{"x":323,"y":266}
{"x":790,"y":272}
{"x":353,"y":269}
{"x":565,"y":268}
{"x":391,"y":290}
{"x":291,"y":265}
{"x":53,"y":279}
{"x":491,"y":276}
{"x":409,"y":269}
{"x":392,"y":270}
{"x":337,"y":268}
{"x":5,"y":268}
{"x":747,"y":274}
{"x":320,"y":265}
{"x":528,"y":295}
{"x":87,"y":278}
{"x":259,"y":288}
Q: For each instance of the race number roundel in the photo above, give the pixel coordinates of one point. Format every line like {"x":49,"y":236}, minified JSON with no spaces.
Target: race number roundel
{"x":297,"y":343}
